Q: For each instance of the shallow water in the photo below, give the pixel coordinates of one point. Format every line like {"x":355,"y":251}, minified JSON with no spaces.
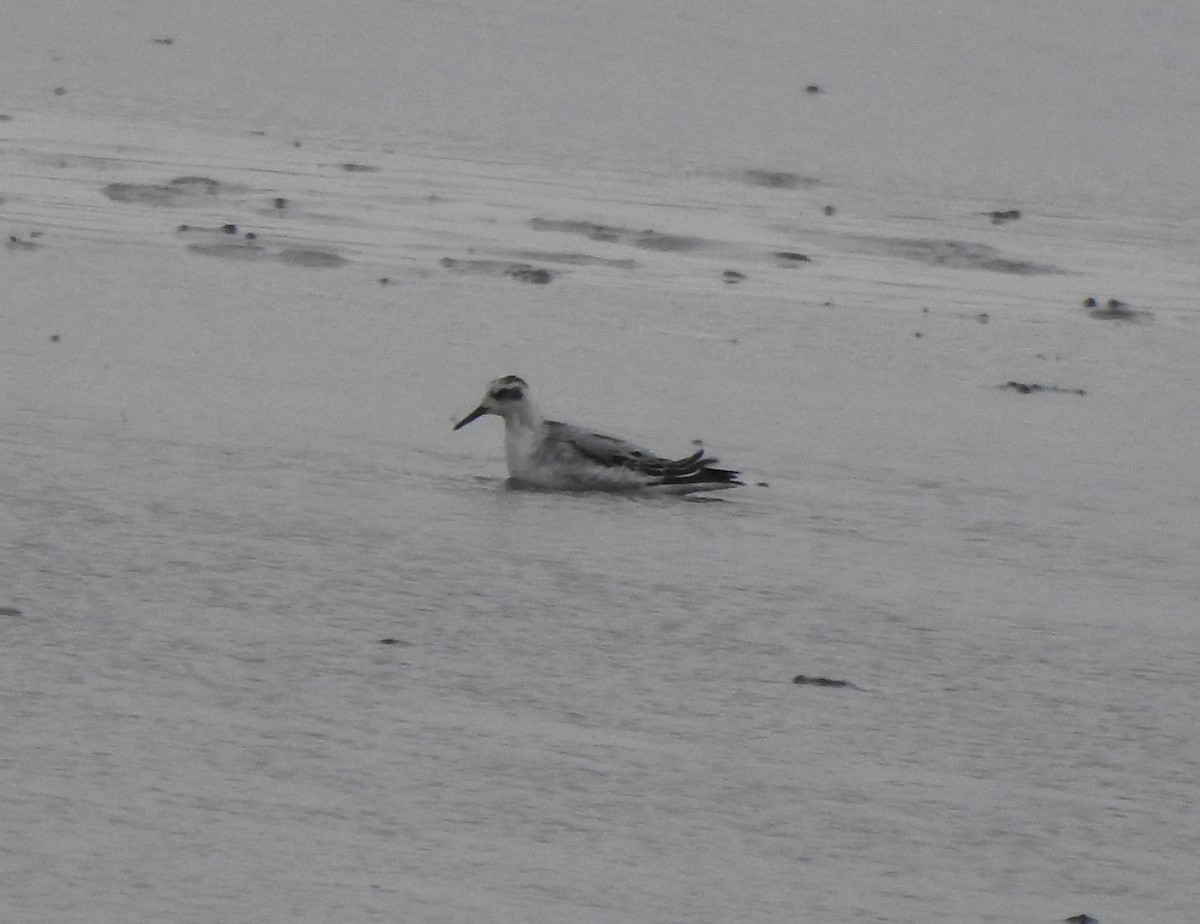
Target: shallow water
{"x":584,"y":707}
{"x":280,"y":646}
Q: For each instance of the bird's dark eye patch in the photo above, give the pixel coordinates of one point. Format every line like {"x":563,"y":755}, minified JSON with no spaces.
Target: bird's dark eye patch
{"x":507,"y":394}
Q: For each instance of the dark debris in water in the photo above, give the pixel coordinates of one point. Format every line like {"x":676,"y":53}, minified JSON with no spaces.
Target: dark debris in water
{"x":1000,"y":216}
{"x":1033,"y":388}
{"x":9,"y":611}
{"x":1081,"y":919}
{"x":18,"y":243}
{"x":537,"y":275}
{"x":1115,"y":310}
{"x":806,"y":681}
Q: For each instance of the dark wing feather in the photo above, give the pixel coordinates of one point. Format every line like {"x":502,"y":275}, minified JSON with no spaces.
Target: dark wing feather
{"x":611,"y":451}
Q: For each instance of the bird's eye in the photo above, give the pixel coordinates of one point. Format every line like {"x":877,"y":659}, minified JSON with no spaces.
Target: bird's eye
{"x":507,"y":394}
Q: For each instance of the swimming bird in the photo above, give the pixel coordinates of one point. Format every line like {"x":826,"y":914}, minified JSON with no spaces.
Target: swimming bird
{"x":550,"y":454}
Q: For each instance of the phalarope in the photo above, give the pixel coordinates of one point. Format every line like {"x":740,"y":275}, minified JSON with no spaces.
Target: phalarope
{"x":549,"y":454}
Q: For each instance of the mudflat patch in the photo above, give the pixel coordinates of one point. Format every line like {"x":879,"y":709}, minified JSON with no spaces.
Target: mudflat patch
{"x":302,"y":256}
{"x":777,"y":179}
{"x":182,"y":190}
{"x":522,"y":272}
{"x":646,"y":239}
{"x":954,"y":255}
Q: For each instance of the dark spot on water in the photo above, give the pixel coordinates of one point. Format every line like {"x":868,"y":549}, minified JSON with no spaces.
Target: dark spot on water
{"x":359,"y":168}
{"x":657,"y":240}
{"x":229,"y":229}
{"x":16,"y":243}
{"x":54,"y":338}
{"x":1117,"y":310}
{"x":1001,"y":216}
{"x":60,"y":91}
{"x":1081,"y":919}
{"x":393,"y":641}
{"x":1089,"y":302}
{"x":1032,"y":388}
{"x":733,"y":277}
{"x":536,"y":275}
{"x":918,"y":335}
{"x":176,"y":192}
{"x":790,"y":257}
{"x":5,"y":117}
{"x":383,"y":280}
{"x":983,"y":317}
{"x":806,"y":680}
{"x":829,"y":210}
{"x":523,"y":272}
{"x":647,"y":238}
{"x":9,"y":611}
{"x":281,"y":203}
{"x":812,"y":88}
{"x":776,"y":179}
{"x":164,"y":41}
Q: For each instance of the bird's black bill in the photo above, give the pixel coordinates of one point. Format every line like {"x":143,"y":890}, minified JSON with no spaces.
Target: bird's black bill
{"x":478,"y":412}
